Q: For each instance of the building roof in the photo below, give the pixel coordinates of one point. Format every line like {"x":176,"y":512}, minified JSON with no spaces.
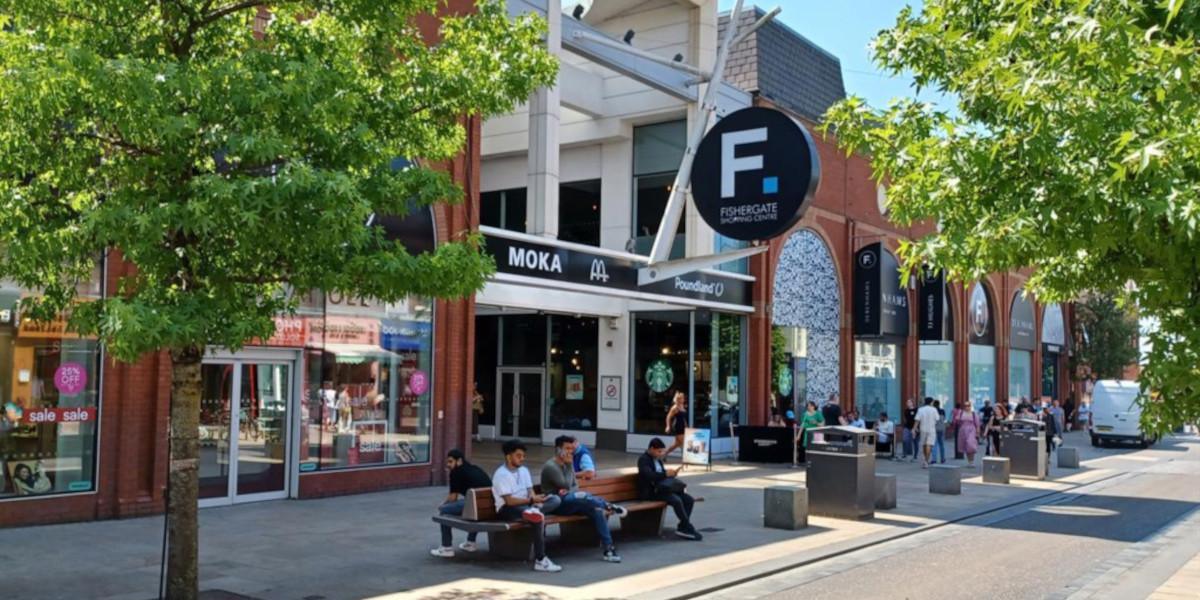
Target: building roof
{"x":783,"y":66}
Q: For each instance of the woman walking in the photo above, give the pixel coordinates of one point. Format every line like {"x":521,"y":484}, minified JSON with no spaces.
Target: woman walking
{"x":812,"y":419}
{"x":966,"y":428}
{"x":677,"y":421}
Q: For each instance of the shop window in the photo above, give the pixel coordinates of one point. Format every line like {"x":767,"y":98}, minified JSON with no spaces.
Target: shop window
{"x":1050,"y":375}
{"x":523,"y":340}
{"x":579,"y":212}
{"x":504,"y":209}
{"x":487,"y":337}
{"x":876,"y":379}
{"x":661,"y":365}
{"x":982,"y":374}
{"x":717,"y":370}
{"x":789,"y":368}
{"x":1020,"y":375}
{"x":372,"y":367}
{"x":573,"y":371}
{"x":937,"y":372}
{"x":49,"y":400}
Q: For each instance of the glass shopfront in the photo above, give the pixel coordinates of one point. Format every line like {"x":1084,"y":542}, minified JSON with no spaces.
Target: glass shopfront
{"x":1020,"y":374}
{"x":877,"y":378}
{"x":937,"y":372}
{"x":368,"y":384}
{"x":789,"y":369}
{"x":698,"y":353}
{"x":981,"y":371}
{"x":49,"y":401}
{"x":574,"y":389}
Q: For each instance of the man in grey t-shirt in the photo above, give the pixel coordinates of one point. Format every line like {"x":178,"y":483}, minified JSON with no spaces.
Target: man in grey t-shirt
{"x":558,"y":483}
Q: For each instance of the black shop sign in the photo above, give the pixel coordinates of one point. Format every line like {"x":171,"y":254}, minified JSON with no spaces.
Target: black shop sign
{"x":755,"y":173}
{"x":606,"y":272}
{"x":880,"y":302}
{"x":1022,"y":327}
{"x":937,"y":321}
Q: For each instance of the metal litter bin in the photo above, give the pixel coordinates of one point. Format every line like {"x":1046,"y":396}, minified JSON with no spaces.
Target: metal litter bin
{"x":1023,"y":441}
{"x":841,"y":472}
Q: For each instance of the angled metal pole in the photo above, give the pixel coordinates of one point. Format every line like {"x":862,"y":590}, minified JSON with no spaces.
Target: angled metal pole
{"x":670,"y":220}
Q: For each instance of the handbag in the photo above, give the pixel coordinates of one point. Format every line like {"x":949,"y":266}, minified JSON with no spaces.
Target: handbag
{"x":670,"y":485}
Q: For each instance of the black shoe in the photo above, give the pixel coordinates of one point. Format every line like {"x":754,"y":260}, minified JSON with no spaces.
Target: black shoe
{"x":687,"y":532}
{"x":618,"y":510}
{"x":610,"y":555}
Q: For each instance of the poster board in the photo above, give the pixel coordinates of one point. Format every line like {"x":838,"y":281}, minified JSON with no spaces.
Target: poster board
{"x":610,"y":392}
{"x":697,"y":446}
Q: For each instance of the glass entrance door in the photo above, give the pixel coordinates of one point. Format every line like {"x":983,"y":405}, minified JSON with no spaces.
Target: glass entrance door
{"x":519,"y":393}
{"x":244,"y":445}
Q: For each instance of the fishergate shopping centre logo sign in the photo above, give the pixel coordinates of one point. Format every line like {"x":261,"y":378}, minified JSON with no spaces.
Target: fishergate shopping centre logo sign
{"x":755,"y":173}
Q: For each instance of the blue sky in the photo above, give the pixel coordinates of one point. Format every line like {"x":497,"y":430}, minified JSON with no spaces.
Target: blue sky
{"x":843,"y":28}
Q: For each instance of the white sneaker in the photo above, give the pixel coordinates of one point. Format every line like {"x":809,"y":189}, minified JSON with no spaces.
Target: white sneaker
{"x":546,"y":565}
{"x":533,"y":515}
{"x":443,"y":552}
{"x":468,"y":546}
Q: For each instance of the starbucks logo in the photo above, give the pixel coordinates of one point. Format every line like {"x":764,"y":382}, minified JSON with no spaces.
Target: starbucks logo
{"x":784,"y":382}
{"x":659,"y":376}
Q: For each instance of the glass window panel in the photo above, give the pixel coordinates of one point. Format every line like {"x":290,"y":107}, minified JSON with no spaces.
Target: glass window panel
{"x":504,"y":209}
{"x":573,"y":373}
{"x":650,"y":199}
{"x":487,"y":335}
{"x":524,"y":340}
{"x":727,"y":377}
{"x":660,"y":367}
{"x":1020,"y":375}
{"x":579,"y":212}
{"x":659,"y":147}
{"x":937,"y":372}
{"x":876,"y":379}
{"x":982,"y":374}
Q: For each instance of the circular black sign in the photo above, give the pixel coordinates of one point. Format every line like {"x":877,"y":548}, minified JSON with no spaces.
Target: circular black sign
{"x":755,"y":173}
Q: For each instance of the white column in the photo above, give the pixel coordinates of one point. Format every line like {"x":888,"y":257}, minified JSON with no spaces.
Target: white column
{"x":616,"y":192}
{"x":542,"y":204}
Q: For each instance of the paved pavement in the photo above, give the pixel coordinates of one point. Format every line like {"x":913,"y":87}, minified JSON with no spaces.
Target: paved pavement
{"x":1116,"y":538}
{"x":376,"y":545}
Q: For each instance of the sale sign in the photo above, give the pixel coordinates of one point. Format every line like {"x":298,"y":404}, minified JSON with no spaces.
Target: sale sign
{"x":77,"y":414}
{"x":70,"y":378}
{"x":418,"y":382}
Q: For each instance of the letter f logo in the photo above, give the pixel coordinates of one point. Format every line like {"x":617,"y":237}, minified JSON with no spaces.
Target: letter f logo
{"x":731,"y":165}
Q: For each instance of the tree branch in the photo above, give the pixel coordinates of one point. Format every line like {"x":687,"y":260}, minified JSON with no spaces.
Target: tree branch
{"x":226,"y":10}
{"x":117,"y":143}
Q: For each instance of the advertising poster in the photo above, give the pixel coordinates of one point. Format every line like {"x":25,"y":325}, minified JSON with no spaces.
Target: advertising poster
{"x":574,"y":387}
{"x":370,"y":438}
{"x":696,"y":446}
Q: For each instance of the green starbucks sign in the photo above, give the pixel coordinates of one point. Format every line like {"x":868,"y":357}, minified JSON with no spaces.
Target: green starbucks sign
{"x":659,"y":376}
{"x":784,"y":382}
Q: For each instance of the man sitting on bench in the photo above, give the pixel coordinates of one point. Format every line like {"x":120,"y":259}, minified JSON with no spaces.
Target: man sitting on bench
{"x":512,"y":488}
{"x":656,"y":482}
{"x":885,"y":431}
{"x":464,"y":477}
{"x":558,"y":481}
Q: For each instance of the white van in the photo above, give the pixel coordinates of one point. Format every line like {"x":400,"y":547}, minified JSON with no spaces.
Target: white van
{"x":1116,"y":414}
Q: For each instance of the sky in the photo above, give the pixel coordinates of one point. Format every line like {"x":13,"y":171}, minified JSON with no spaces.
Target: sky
{"x":844,"y":28}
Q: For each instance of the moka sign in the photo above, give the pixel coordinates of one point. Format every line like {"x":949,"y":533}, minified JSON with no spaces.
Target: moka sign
{"x":755,"y":173}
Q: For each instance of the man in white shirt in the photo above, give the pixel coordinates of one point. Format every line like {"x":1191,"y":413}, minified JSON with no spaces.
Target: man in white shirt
{"x":885,"y":429}
{"x":512,"y":488}
{"x":927,"y":420}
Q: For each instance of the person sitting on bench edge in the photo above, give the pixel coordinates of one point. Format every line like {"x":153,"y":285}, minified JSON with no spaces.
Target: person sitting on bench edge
{"x":558,"y":481}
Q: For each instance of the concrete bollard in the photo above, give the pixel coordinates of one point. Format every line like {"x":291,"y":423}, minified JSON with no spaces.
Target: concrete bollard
{"x":785,"y":507}
{"x":996,"y":469}
{"x":945,"y":479}
{"x":885,"y":491}
{"x":1068,"y":458}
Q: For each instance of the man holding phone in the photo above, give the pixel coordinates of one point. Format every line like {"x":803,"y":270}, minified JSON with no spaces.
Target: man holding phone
{"x":559,"y":483}
{"x":656,"y":482}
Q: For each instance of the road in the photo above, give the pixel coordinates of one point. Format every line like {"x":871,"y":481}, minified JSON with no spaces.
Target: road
{"x":1052,"y":548}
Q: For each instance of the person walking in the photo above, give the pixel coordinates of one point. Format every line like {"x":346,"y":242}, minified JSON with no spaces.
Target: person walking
{"x":464,"y":477}
{"x":811,"y":420}
{"x":476,"y":411}
{"x":994,"y":426}
{"x":558,"y":480}
{"x":966,"y":428}
{"x":926,"y":428}
{"x":677,"y":420}
{"x":939,"y":455}
{"x":908,"y":421}
{"x":832,"y":411}
{"x":512,"y":490}
{"x":1052,"y":432}
{"x":656,"y":482}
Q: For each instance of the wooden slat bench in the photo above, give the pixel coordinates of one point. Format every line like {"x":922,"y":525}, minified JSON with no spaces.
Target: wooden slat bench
{"x":513,"y":539}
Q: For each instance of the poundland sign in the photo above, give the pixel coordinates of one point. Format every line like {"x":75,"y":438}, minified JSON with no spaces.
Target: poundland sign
{"x":755,"y":173}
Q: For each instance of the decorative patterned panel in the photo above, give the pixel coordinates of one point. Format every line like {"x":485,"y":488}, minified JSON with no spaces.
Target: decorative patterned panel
{"x":806,"y":295}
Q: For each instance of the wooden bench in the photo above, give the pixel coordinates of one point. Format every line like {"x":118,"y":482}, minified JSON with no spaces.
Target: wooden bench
{"x":513,"y":539}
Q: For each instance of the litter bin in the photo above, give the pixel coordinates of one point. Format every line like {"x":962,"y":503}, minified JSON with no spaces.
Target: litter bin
{"x":1023,"y":441}
{"x":841,"y":472}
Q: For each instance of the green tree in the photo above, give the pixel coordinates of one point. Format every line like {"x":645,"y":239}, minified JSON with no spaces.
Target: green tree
{"x":235,"y":154}
{"x":1105,"y":337}
{"x":1073,"y":151}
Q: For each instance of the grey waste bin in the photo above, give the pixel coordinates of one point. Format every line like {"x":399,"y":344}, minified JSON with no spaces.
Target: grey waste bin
{"x":1023,"y":441}
{"x":841,"y":473}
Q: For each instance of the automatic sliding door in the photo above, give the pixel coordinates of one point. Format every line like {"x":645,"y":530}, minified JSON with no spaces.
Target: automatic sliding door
{"x":263,"y":428}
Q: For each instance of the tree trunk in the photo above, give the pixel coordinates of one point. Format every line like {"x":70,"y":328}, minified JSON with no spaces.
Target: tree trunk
{"x":183,"y":484}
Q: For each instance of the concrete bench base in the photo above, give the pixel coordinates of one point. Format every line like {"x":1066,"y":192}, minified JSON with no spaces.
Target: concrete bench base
{"x":996,"y":469}
{"x":945,"y":479}
{"x":885,"y":491}
{"x":785,"y":507}
{"x":1068,"y":458}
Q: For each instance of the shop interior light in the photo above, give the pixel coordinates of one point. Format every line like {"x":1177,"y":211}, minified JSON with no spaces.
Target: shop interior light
{"x":666,"y":350}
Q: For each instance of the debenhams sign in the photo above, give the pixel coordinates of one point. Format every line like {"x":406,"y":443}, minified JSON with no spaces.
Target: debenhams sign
{"x":532,"y":259}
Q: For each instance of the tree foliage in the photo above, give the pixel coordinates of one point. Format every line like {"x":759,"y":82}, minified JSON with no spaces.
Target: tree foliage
{"x":233,"y":165}
{"x":1105,"y":336}
{"x":1073,"y":151}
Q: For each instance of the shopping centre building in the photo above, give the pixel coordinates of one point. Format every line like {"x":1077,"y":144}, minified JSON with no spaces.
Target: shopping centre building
{"x":352,"y":396}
